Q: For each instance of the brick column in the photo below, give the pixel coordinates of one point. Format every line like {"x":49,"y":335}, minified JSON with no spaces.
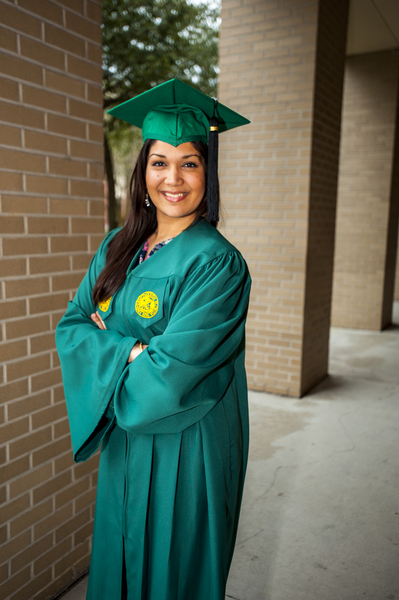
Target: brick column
{"x":368,"y":194}
{"x":396,"y":293}
{"x":282,"y":66}
{"x":391,"y":237}
{"x":51,"y":221}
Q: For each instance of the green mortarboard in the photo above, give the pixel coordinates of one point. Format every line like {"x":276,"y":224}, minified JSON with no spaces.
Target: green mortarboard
{"x":175,"y":112}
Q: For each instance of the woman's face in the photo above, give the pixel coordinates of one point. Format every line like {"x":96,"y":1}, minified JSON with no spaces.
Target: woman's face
{"x":175,"y":179}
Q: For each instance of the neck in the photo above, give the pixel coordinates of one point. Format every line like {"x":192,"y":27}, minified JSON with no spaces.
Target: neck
{"x":170,"y":228}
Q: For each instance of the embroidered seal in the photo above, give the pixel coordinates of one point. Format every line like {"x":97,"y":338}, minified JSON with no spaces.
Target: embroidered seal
{"x":104,"y":305}
{"x":147,"y":305}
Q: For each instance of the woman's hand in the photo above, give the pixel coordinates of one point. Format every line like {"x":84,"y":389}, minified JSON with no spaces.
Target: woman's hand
{"x":98,"y":320}
{"x":135,"y":351}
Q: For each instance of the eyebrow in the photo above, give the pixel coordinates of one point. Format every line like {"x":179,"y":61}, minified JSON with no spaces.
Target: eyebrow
{"x":163,"y":156}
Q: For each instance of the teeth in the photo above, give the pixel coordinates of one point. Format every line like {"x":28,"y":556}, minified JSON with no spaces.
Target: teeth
{"x":169,"y":195}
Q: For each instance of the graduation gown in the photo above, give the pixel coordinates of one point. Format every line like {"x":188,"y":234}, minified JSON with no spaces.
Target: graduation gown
{"x":173,"y":423}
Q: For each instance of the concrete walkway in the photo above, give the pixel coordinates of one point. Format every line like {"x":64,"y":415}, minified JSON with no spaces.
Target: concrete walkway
{"x":320,"y":515}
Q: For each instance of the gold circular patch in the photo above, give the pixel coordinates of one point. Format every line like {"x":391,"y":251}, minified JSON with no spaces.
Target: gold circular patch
{"x":104,"y":305}
{"x":147,"y":305}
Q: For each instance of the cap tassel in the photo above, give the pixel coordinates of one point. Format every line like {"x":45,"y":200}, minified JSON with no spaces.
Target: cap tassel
{"x":213,"y":181}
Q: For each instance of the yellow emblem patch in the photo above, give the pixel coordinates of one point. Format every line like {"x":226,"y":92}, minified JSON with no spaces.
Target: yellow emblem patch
{"x":104,"y":305}
{"x":147,"y":305}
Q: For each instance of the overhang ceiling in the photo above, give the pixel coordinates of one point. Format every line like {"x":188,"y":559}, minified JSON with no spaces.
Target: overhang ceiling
{"x":373,"y":26}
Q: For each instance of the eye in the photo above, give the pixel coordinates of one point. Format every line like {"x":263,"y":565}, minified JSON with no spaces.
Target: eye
{"x":158,"y":163}
{"x":191,"y":165}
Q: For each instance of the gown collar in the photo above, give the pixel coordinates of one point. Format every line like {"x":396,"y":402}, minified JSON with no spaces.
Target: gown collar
{"x":160,"y":262}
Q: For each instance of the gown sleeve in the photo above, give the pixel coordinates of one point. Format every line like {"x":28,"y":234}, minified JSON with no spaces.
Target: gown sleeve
{"x":185,"y":371}
{"x":92,"y":360}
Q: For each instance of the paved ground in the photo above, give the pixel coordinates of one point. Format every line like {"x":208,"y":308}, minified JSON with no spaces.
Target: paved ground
{"x":320,"y":516}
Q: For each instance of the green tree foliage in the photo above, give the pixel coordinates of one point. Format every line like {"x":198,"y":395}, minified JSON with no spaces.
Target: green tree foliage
{"x":147,"y":44}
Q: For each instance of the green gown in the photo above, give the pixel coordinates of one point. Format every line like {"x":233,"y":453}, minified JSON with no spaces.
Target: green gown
{"x":173,"y":423}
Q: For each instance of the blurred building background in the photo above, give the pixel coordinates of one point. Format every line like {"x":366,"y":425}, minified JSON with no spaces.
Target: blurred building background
{"x":311,"y":196}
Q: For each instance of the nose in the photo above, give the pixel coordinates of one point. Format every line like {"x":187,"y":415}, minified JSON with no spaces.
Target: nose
{"x":173,"y":176}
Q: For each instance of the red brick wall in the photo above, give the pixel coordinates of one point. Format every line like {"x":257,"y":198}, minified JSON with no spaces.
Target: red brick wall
{"x":51,"y":222}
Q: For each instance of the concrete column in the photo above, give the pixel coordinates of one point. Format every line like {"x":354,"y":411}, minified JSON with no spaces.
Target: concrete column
{"x":282,"y":65}
{"x":368,"y":194}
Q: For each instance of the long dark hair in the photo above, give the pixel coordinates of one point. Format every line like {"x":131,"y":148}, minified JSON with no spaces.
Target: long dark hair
{"x":140,"y":224}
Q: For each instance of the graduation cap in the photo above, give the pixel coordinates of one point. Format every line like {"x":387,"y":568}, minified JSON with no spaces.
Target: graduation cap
{"x":175,"y":113}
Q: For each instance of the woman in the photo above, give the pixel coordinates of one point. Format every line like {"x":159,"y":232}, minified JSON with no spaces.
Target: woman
{"x":152,"y":353}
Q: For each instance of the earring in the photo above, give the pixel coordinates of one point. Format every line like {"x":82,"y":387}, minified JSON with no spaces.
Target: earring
{"x":147,"y":200}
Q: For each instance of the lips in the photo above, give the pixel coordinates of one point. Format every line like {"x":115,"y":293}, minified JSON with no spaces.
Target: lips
{"x":174,"y":196}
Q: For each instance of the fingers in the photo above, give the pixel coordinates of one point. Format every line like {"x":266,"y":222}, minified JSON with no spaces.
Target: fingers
{"x":135,"y":351}
{"x":98,"y":320}
{"x":101,"y":322}
{"x":94,"y":318}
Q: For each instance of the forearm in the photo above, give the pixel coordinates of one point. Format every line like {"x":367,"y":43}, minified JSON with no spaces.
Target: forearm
{"x":137,"y":349}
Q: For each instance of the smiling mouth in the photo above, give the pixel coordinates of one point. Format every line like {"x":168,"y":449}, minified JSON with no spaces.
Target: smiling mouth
{"x":174,"y":196}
